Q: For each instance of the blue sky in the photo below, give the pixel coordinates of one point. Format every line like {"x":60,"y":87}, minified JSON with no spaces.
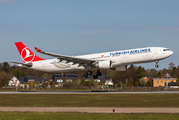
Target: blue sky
{"x":77,"y":27}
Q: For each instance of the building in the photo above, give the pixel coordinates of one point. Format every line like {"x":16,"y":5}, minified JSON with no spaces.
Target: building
{"x":61,"y":78}
{"x":164,"y":81}
{"x":30,"y":81}
{"x":14,"y":82}
{"x":33,"y":79}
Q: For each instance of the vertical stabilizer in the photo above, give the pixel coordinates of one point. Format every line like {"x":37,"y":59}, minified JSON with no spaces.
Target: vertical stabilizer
{"x":26,"y":54}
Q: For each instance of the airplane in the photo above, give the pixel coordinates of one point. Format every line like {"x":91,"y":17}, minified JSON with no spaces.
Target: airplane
{"x":115,"y":60}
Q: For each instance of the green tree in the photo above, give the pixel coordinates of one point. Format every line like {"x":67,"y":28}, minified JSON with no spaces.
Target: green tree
{"x":159,"y":74}
{"x":141,"y":72}
{"x":142,"y":81}
{"x":149,"y":83}
{"x":3,"y":79}
{"x":175,"y":72}
{"x":172,"y":65}
{"x":105,"y":72}
{"x":131,"y":83}
{"x":130,"y":74}
{"x":18,"y":72}
{"x":177,"y":80}
{"x":88,"y":83}
{"x":136,"y":83}
{"x":153,"y":72}
{"x":128,"y":83}
{"x":6,"y":67}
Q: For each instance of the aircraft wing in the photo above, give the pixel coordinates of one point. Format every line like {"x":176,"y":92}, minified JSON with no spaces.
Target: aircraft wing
{"x":75,"y":60}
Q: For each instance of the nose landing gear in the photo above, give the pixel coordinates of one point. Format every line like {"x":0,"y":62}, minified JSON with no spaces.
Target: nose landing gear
{"x":156,"y":64}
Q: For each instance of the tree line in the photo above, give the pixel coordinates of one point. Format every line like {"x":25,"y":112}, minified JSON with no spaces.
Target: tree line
{"x":132,"y":76}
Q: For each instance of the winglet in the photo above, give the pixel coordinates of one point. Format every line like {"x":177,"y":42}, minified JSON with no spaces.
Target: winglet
{"x":37,"y":49}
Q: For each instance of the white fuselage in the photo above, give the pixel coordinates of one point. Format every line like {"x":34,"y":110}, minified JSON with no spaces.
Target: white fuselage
{"x":118,"y":58}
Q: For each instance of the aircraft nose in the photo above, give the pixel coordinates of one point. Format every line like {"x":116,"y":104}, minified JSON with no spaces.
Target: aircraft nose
{"x":171,"y":53}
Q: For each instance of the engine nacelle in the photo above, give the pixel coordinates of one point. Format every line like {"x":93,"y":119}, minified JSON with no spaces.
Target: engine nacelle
{"x":121,"y":68}
{"x":104,"y":64}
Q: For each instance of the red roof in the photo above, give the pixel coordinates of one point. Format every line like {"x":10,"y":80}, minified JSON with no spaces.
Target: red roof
{"x":166,"y":75}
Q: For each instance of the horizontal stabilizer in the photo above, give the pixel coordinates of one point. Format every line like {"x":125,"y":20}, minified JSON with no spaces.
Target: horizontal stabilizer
{"x":23,"y":64}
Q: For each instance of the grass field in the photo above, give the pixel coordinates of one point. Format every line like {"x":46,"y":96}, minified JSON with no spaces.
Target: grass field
{"x":89,"y":100}
{"x":84,"y":116}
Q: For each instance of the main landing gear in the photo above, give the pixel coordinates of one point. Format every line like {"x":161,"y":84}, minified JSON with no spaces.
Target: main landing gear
{"x":98,"y":73}
{"x":87,"y":73}
{"x":156,"y":64}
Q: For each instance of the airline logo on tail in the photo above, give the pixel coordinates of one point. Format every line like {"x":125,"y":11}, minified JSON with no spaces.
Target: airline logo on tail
{"x":26,"y":54}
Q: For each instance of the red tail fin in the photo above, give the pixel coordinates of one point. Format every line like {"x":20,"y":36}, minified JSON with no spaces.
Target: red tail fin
{"x":26,"y":54}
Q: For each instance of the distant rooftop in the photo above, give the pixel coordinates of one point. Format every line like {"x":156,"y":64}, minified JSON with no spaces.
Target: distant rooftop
{"x":165,"y":76}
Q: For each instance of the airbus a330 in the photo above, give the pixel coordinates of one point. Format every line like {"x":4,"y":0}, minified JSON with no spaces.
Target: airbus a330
{"x":115,"y":60}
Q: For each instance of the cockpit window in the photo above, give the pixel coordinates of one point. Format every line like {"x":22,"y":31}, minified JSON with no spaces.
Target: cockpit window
{"x":166,"y":50}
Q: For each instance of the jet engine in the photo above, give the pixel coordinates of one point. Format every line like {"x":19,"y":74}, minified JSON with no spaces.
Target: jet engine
{"x":103,"y":64}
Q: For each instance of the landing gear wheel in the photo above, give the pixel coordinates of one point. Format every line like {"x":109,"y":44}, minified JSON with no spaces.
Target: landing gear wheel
{"x":98,"y":73}
{"x":89,"y":72}
{"x":85,"y":75}
{"x":95,"y":76}
{"x":156,"y":66}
